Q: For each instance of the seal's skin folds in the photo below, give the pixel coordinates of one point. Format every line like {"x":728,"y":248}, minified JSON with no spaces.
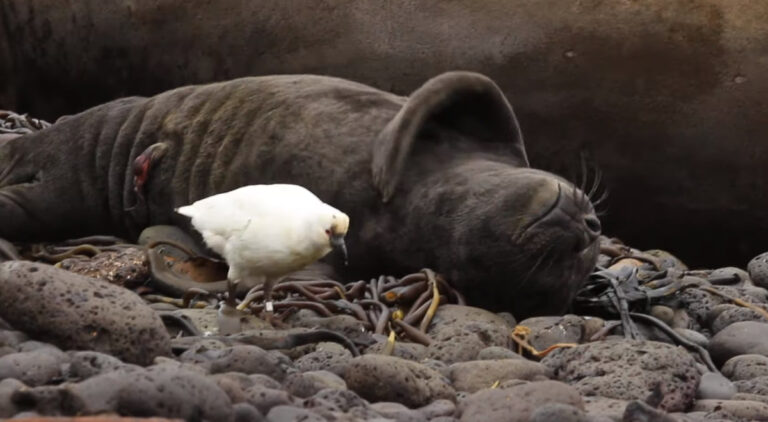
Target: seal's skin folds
{"x":667,"y":96}
{"x":439,"y":179}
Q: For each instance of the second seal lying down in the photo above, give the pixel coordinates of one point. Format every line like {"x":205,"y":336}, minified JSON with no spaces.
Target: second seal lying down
{"x":439,"y":179}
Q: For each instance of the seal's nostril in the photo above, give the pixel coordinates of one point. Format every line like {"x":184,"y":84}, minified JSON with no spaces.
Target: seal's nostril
{"x":593,"y":224}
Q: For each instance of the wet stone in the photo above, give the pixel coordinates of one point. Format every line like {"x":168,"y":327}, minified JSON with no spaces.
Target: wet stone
{"x":410,"y":351}
{"x":638,"y":411}
{"x":34,"y":368}
{"x":476,"y":375}
{"x":518,"y":403}
{"x":86,"y":364}
{"x":740,"y":338}
{"x":306,"y":384}
{"x":81,"y":313}
{"x":735,"y":314}
{"x":241,"y":358}
{"x":497,"y":352}
{"x":398,"y":412}
{"x":715,"y":386}
{"x":438,"y":408}
{"x":629,"y":370}
{"x":7,"y":387}
{"x":461,"y":332}
{"x":264,"y":399}
{"x":758,"y":385}
{"x":244,"y":412}
{"x":326,"y":356}
{"x":546,"y":330}
{"x":335,"y":400}
{"x":745,"y":367}
{"x":559,"y":412}
{"x":12,"y":338}
{"x":293,"y":413}
{"x":749,"y":410}
{"x":758,"y":270}
{"x":386,"y":378}
{"x":157,"y":390}
{"x":606,"y":407}
{"x":233,"y":384}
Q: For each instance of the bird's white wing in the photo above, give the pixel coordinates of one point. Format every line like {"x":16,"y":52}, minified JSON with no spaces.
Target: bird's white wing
{"x":220,"y":217}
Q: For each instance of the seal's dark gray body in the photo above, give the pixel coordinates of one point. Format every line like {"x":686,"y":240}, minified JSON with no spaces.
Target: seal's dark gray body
{"x":669,"y":96}
{"x":439,"y":179}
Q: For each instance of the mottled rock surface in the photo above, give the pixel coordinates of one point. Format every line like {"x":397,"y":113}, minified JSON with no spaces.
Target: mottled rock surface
{"x":78,"y":312}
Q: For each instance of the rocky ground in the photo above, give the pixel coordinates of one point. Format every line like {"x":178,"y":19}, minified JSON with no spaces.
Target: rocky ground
{"x":94,"y":329}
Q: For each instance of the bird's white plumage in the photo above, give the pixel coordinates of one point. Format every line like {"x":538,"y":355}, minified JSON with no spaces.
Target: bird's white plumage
{"x":265,"y":230}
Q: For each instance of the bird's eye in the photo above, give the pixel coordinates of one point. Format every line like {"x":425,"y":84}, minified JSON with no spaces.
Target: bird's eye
{"x":328,"y":232}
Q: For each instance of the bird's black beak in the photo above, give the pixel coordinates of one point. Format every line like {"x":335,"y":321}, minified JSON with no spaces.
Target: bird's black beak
{"x":337,"y":243}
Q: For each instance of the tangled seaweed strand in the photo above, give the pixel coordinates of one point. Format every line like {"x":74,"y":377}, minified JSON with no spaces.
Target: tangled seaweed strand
{"x":629,"y":292}
{"x":20,"y":124}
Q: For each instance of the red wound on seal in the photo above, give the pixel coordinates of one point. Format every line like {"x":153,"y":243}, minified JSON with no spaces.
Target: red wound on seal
{"x":142,"y":166}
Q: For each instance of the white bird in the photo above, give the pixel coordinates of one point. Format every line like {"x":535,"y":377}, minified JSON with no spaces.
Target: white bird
{"x":265,"y":232}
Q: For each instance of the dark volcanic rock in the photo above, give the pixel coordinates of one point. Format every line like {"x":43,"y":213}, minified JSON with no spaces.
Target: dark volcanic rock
{"x":162,"y":390}
{"x":78,"y":312}
{"x":518,"y":403}
{"x":758,"y":270}
{"x":741,"y":338}
{"x":387,"y":378}
{"x":86,"y":364}
{"x":240,"y":358}
{"x":7,"y":387}
{"x":326,"y":356}
{"x":476,"y":375}
{"x":745,"y":367}
{"x":34,"y":368}
{"x":629,"y":370}
{"x":461,"y":332}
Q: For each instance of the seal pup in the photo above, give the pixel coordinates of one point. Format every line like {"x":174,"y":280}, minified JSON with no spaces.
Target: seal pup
{"x":439,"y":179}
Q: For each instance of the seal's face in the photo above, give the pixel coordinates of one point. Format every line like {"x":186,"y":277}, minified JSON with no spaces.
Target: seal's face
{"x":525,"y":239}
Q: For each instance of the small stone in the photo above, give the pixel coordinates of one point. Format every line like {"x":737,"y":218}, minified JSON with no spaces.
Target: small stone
{"x":758,"y":385}
{"x":740,"y":338}
{"x":518,"y":403}
{"x":546,"y":330}
{"x":438,"y":408}
{"x":293,"y":413}
{"x":664,"y":313}
{"x":264,"y":399}
{"x":240,"y":358}
{"x":387,"y":378}
{"x":605,"y":407}
{"x":306,"y":384}
{"x":559,"y":412}
{"x":410,"y":351}
{"x":733,"y":314}
{"x":476,"y":375}
{"x":8,"y":386}
{"x":397,"y":412}
{"x":715,"y":386}
{"x":33,"y":368}
{"x":693,"y":336}
{"x":460,"y":332}
{"x":758,"y":270}
{"x":750,"y":410}
{"x":745,"y":367}
{"x":497,"y":352}
{"x":244,"y":412}
{"x":638,"y":411}
{"x":332,"y":399}
{"x":326,"y":356}
{"x":87,"y":364}
{"x":722,"y":275}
